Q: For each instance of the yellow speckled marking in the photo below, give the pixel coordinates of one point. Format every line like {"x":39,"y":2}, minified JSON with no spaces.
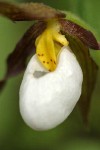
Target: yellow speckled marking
{"x":48,"y":45}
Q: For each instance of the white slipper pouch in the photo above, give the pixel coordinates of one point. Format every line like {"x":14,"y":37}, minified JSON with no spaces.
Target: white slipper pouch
{"x":47,"y":98}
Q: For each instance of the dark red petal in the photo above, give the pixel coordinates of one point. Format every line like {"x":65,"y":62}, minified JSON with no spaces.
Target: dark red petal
{"x":29,"y":11}
{"x":16,"y":61}
{"x":89,"y":69}
{"x":84,"y":35}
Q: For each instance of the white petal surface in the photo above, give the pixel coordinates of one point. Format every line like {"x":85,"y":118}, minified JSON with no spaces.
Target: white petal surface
{"x":47,"y":98}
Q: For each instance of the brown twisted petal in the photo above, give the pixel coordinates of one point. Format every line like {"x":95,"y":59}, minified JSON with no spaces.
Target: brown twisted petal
{"x":84,"y":35}
{"x":16,"y":61}
{"x":29,"y":11}
{"x":89,"y":69}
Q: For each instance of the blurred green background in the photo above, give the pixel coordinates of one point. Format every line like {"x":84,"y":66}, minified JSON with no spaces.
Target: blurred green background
{"x":70,"y":135}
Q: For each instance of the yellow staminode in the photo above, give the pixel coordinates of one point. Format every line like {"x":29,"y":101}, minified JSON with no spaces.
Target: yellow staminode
{"x":48,"y":45}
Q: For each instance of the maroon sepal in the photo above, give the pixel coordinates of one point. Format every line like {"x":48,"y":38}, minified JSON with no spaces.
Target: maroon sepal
{"x":16,"y":61}
{"x":29,"y":11}
{"x":76,"y":30}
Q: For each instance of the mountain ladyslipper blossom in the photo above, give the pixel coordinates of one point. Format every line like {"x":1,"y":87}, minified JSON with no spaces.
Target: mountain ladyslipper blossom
{"x":60,"y":72}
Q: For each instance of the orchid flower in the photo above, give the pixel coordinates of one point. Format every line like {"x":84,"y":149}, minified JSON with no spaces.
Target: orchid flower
{"x":60,"y":70}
